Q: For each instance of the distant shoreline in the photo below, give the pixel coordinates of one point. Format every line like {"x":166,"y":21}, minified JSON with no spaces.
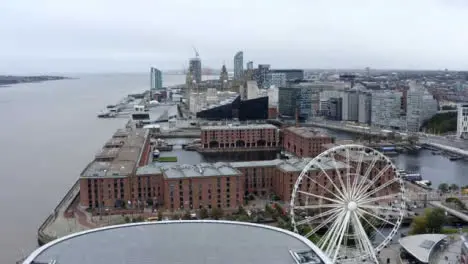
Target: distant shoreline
{"x":7,"y":80}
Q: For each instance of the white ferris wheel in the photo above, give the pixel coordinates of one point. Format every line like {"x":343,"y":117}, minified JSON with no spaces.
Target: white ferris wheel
{"x":350,"y":201}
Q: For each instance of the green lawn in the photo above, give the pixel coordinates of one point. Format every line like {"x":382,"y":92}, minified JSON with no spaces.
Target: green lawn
{"x":167,"y":159}
{"x":453,"y":230}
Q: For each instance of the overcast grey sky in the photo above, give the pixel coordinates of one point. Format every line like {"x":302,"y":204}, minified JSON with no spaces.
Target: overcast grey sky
{"x":40,"y":36}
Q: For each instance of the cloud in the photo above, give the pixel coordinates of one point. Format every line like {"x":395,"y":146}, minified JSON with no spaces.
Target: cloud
{"x":118,"y":35}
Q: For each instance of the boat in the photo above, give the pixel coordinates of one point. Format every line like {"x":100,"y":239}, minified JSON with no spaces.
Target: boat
{"x":106,"y":114}
{"x":454,"y":158}
{"x":410,"y":176}
{"x":156,"y":153}
{"x":424,"y":183}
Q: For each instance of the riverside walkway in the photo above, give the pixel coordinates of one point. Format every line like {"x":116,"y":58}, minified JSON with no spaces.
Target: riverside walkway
{"x":451,"y":211}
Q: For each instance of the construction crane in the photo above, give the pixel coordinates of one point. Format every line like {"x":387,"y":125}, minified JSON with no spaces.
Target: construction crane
{"x":196,"y":51}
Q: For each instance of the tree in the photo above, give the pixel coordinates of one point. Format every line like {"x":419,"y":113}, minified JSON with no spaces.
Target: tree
{"x":243,"y":218}
{"x":204,"y":213}
{"x":160,"y":215}
{"x":454,"y":187}
{"x":217,"y":213}
{"x":443,"y":187}
{"x":149,"y":202}
{"x":435,"y":220}
{"x":418,"y":226}
{"x":241,"y":211}
{"x":275,"y":197}
{"x":175,"y":217}
{"x":432,"y":221}
{"x":279,"y":211}
{"x":186,"y":216}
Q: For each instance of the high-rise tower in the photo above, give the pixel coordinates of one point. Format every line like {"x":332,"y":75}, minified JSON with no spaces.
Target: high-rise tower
{"x":195,"y":66}
{"x":155,"y":79}
{"x":239,"y":66}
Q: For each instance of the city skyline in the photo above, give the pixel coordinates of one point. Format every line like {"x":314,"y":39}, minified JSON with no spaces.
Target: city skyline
{"x":72,"y":37}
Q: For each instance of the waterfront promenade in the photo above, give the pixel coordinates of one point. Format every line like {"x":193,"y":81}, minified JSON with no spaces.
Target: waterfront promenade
{"x":60,"y":222}
{"x":440,"y":142}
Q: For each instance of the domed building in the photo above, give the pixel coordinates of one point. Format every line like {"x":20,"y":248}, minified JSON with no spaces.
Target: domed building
{"x":181,"y":242}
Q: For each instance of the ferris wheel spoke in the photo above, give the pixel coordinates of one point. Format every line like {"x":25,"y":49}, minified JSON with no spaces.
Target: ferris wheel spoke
{"x":321,"y":215}
{"x":375,"y":228}
{"x":317,"y":206}
{"x":343,"y":230}
{"x":373,"y":181}
{"x":378,"y":189}
{"x":338,"y":174}
{"x":361,"y":232}
{"x":325,"y":188}
{"x":377,"y":207}
{"x":376,"y":199}
{"x":357,"y":173}
{"x":329,"y":178}
{"x":377,"y":217}
{"x":367,"y":173}
{"x":323,"y":224}
{"x":324,"y":241}
{"x":348,"y":163}
{"x":320,"y":197}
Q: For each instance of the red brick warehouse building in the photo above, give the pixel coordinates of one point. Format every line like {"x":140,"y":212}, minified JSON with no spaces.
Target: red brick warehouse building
{"x":239,"y":137}
{"x":187,"y":187}
{"x":304,"y":141}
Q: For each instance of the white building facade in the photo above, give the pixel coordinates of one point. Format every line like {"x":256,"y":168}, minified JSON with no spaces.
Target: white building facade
{"x":462,"y":121}
{"x":386,"y":109}
{"x":364,"y":108}
{"x":350,"y":106}
{"x":420,"y":106}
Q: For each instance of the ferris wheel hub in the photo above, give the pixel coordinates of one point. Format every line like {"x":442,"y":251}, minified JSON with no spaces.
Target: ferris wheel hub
{"x":352,"y":206}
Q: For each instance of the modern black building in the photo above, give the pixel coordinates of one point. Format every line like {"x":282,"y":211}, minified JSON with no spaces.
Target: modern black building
{"x":295,"y":98}
{"x":253,"y":109}
{"x":291,"y":74}
{"x":336,"y":108}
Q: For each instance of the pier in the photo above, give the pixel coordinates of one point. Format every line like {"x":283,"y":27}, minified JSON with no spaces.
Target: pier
{"x":178,"y":134}
{"x":56,"y":224}
{"x":450,"y":149}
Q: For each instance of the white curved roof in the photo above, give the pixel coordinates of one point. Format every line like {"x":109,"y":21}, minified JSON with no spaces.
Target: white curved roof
{"x":421,"y":246}
{"x":181,"y":242}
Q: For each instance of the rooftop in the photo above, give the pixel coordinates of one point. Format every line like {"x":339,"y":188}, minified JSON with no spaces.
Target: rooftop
{"x":231,"y":168}
{"x":239,"y":127}
{"x":306,"y":132}
{"x":421,"y":246}
{"x":181,"y":242}
{"x":108,"y":153}
{"x":121,"y":133}
{"x":129,"y":154}
{"x":259,"y":163}
{"x":201,"y":170}
{"x":297,"y":165}
{"x":115,"y":169}
{"x":152,"y":168}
